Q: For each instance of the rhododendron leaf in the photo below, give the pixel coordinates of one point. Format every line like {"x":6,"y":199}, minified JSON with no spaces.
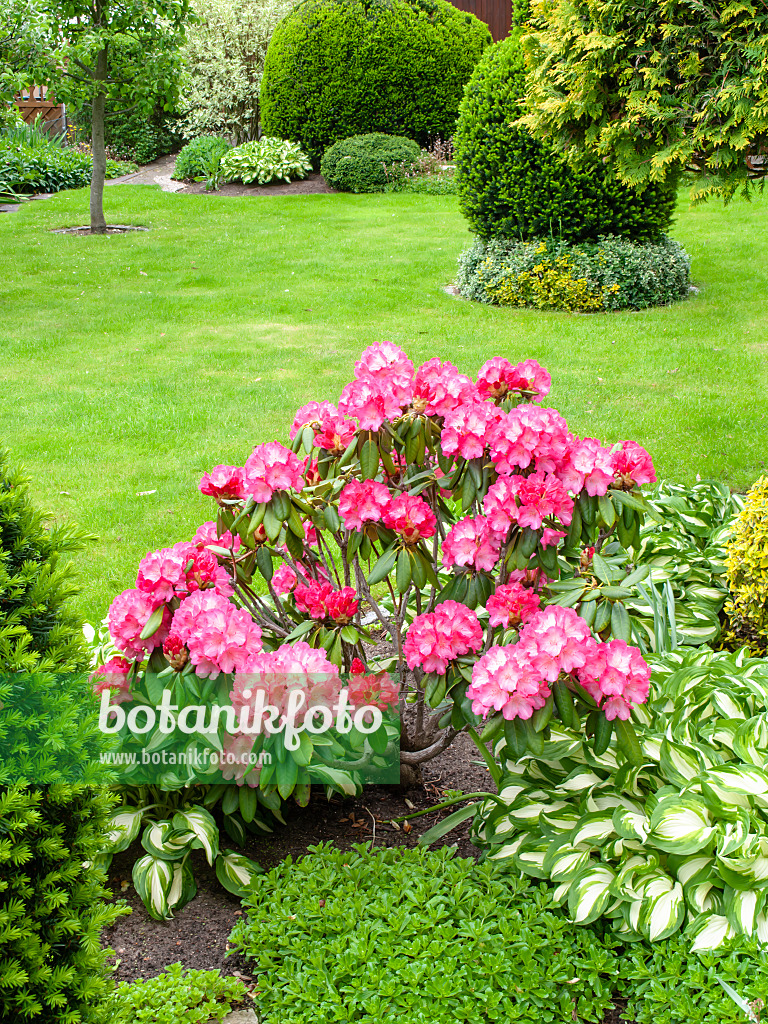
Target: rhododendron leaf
{"x":493,"y":728}
{"x":295,"y":544}
{"x":153,"y":880}
{"x":403,"y":572}
{"x":602,"y":616}
{"x":383,"y":567}
{"x":620,"y":627}
{"x":332,"y":519}
{"x":628,"y":743}
{"x":198,"y":821}
{"x":295,"y":524}
{"x":468,"y":491}
{"x":153,"y":623}
{"x":602,"y":569}
{"x":563,"y":702}
{"x":286,"y":775}
{"x":548,"y":559}
{"x":248,"y":803}
{"x":516,"y":737}
{"x":378,"y":740}
{"x":606,"y":510}
{"x":333,"y":777}
{"x":336,"y":653}
{"x":567,"y":599}
{"x":587,"y":507}
{"x":434,"y":690}
{"x":231,"y":800}
{"x":542,"y":716}
{"x":587,"y":611}
{"x":272,"y":524}
{"x":301,"y":630}
{"x":308,"y":439}
{"x":369,"y":460}
{"x":265,"y":564}
{"x":614,"y":593}
{"x":603,"y":732}
{"x":637,"y":576}
{"x":448,"y":824}
{"x":235,"y":872}
{"x":534,"y":740}
{"x":418,"y":571}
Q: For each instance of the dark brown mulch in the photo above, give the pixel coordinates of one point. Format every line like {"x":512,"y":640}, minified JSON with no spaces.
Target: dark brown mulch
{"x":311,"y":185}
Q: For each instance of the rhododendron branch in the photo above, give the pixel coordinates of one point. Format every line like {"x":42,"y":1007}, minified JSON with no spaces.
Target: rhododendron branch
{"x":364,"y":589}
{"x":441,"y":744}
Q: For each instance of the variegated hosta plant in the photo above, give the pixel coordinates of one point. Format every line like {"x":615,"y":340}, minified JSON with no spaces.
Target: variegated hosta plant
{"x":676,"y":843}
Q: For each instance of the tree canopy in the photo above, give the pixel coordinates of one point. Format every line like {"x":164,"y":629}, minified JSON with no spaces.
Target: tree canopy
{"x":654,"y":85}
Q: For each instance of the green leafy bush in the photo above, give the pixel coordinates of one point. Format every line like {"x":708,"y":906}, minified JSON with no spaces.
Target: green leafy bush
{"x":747,"y":567}
{"x":667,"y":984}
{"x":134,"y":136}
{"x":192,"y":161}
{"x":548,"y":273}
{"x":366,"y":930}
{"x":512,"y":186}
{"x":338,"y":68}
{"x":676,"y":839}
{"x":176,"y":994}
{"x":267,"y":160}
{"x":52,"y":901}
{"x":360,"y":164}
{"x":29,"y":169}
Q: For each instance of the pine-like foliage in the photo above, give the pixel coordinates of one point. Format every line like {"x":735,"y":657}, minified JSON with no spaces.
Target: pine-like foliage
{"x":52,"y":907}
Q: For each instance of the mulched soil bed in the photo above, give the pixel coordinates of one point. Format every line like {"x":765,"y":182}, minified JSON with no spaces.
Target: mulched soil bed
{"x":311,"y":185}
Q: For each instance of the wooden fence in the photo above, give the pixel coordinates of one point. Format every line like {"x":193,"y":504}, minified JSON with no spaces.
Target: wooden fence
{"x":497,"y":14}
{"x":38,"y":102}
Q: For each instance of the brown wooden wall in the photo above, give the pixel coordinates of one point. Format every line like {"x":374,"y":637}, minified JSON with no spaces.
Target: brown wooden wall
{"x":497,"y":14}
{"x":38,"y":102}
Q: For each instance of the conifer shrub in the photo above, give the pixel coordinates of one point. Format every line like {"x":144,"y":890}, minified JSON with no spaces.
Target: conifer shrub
{"x":747,"y":569}
{"x":513,"y":186}
{"x":337,"y":68}
{"x":360,"y":164}
{"x":52,"y":898}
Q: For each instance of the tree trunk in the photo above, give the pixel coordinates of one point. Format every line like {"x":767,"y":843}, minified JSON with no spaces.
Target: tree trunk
{"x":98,"y":223}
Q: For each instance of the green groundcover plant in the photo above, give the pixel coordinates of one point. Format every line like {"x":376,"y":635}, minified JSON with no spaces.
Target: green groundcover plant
{"x":678,"y":841}
{"x":550,"y":273}
{"x":176,"y":994}
{"x":422,"y":937}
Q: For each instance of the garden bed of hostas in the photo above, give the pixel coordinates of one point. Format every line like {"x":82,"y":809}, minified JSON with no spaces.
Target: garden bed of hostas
{"x":554,"y":629}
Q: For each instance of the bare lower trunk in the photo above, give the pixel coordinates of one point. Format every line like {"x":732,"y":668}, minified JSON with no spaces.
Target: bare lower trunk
{"x":98,"y":223}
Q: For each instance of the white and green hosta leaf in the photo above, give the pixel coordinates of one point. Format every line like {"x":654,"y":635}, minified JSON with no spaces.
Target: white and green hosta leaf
{"x":563,"y":862}
{"x":680,"y":824}
{"x":679,"y":764}
{"x":183,"y":886}
{"x":558,"y":820}
{"x":708,"y":931}
{"x":236,"y":872}
{"x":751,"y":740}
{"x":750,"y":872}
{"x":161,"y":839}
{"x":124,"y":828}
{"x":590,"y":894}
{"x":593,"y":829}
{"x":733,"y":835}
{"x":631,"y":823}
{"x":529,"y":856}
{"x":704,"y":896}
{"x":153,"y":880}
{"x":508,"y":850}
{"x":742,"y":908}
{"x":580,"y":780}
{"x":736,"y":785}
{"x":663,"y":912}
{"x":199,"y":822}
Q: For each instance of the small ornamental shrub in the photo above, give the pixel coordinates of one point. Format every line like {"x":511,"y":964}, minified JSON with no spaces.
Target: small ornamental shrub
{"x":675,"y":842}
{"x":366,"y":936}
{"x":360,"y":164}
{"x":338,"y":68}
{"x":177,"y":994}
{"x":52,"y":901}
{"x":264,"y":161}
{"x":668,"y":984}
{"x":192,"y":161}
{"x":587,"y":277}
{"x":30,"y":169}
{"x":512,"y":186}
{"x":747,"y":566}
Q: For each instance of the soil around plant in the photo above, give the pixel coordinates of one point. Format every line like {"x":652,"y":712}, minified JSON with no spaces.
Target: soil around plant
{"x":112,"y":229}
{"x":311,"y":185}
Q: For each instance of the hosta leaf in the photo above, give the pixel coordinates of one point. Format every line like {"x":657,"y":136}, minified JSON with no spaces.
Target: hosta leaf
{"x":678,"y":764}
{"x":593,"y":829}
{"x":529,"y":857}
{"x":631,"y":824}
{"x":589,"y":894}
{"x":680,"y":825}
{"x":152,"y":879}
{"x":124,"y":828}
{"x":563,"y":862}
{"x":742,"y":907}
{"x":162,"y":840}
{"x":708,"y":931}
{"x":736,"y":785}
{"x":235,"y":872}
{"x":663,"y":914}
{"x":198,"y":821}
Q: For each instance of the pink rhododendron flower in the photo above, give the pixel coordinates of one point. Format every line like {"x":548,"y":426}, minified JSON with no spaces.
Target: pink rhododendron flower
{"x":311,"y":414}
{"x":176,"y":652}
{"x":376,"y":690}
{"x":551,"y":538}
{"x":511,"y":604}
{"x":505,"y":680}
{"x":335,"y":433}
{"x":370,"y":402}
{"x":236,"y":761}
{"x":594,"y":463}
{"x":633,"y":465}
{"x":557,"y":640}
{"x":390,"y":367}
{"x":284,"y":579}
{"x":498,"y":376}
{"x":528,"y":501}
{"x":223,"y":482}
{"x":208,"y":534}
{"x":320,"y":600}
{"x":471,"y":541}
{"x":436,"y":638}
{"x":113,"y":676}
{"x":279,"y":673}
{"x":357,"y":668}
{"x":439,"y":387}
{"x":617,"y":677}
{"x":219,"y":636}
{"x":272,"y":467}
{"x":529,"y":434}
{"x":410,"y":517}
{"x":128,"y":615}
{"x":466,"y":429}
{"x":181,"y":570}
{"x":363,"y":501}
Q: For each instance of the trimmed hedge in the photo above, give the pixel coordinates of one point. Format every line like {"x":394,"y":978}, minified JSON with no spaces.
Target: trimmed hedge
{"x":357,"y":164}
{"x":589,"y":278}
{"x":511,"y":185}
{"x":338,"y":68}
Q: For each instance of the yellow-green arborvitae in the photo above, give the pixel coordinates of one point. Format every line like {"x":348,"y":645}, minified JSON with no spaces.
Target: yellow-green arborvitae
{"x":747,"y":571}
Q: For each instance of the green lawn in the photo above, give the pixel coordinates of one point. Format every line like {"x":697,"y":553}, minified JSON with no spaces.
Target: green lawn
{"x":134,"y":363}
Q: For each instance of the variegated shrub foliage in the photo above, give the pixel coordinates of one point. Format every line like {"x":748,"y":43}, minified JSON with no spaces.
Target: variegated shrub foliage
{"x":678,"y":843}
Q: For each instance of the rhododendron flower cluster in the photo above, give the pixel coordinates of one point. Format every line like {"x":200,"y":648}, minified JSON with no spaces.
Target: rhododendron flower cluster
{"x":320,"y":600}
{"x":556,"y":642}
{"x":439,"y":388}
{"x":465,"y":431}
{"x":236,"y":762}
{"x":511,"y":604}
{"x":633,"y":465}
{"x":370,"y":402}
{"x":410,"y":517}
{"x":272,"y":467}
{"x":472,"y":542}
{"x":376,"y":689}
{"x":436,"y":638}
{"x":333,"y":432}
{"x":223,"y":482}
{"x":291,"y":667}
{"x":527,"y":501}
{"x":128,"y":614}
{"x":363,"y":501}
{"x":389,"y":366}
{"x":498,"y":377}
{"x":112,"y":676}
{"x":529,"y":434}
{"x":208,"y":535}
{"x":181,"y":570}
{"x":218,"y":636}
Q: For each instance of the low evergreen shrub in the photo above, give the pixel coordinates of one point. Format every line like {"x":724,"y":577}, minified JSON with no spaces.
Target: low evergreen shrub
{"x":550,"y":273}
{"x":747,"y":568}
{"x":360,"y":163}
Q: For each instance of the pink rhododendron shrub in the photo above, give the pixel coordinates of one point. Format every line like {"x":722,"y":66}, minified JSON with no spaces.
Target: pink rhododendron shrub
{"x":444,"y":538}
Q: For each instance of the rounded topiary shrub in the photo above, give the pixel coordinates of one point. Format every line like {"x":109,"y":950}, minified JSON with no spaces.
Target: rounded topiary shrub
{"x":337,"y":68}
{"x":513,"y":186}
{"x":360,"y":164}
